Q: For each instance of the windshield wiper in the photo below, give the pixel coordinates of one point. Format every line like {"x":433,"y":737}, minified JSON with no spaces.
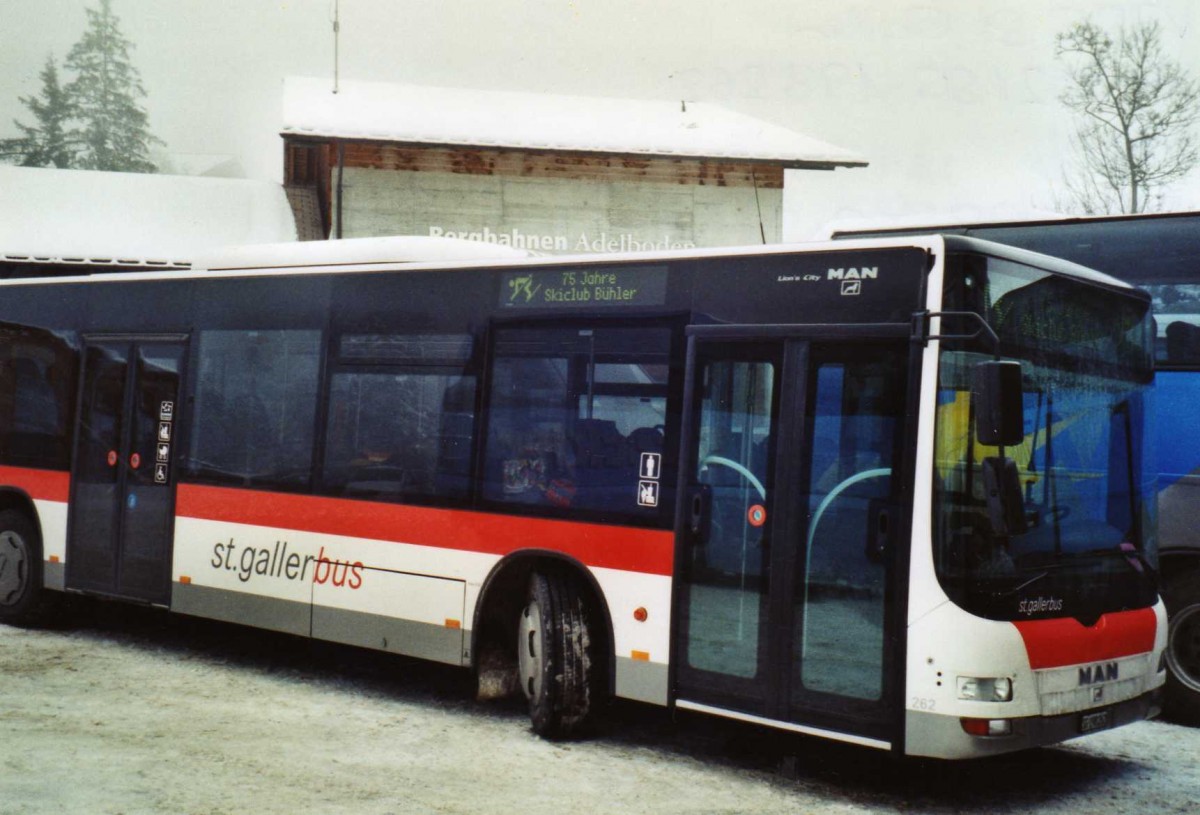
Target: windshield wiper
{"x":1039,"y":576}
{"x":1133,"y":558}
{"x":1044,"y":570}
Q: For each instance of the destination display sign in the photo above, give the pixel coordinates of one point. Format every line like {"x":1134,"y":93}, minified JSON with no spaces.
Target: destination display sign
{"x":585,"y":287}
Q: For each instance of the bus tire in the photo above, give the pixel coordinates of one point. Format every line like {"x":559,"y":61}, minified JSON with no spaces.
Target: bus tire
{"x":23,"y":598}
{"x":555,"y":655}
{"x":1182,"y":596}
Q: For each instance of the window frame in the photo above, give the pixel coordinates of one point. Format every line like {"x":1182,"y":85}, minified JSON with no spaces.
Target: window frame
{"x":674,"y":324}
{"x":188,"y":473}
{"x":336,"y":363}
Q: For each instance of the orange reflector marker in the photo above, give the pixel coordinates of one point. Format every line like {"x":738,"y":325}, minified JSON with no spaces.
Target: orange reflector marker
{"x":640,"y":614}
{"x":54,"y":558}
{"x":987,"y":727}
{"x":185,"y":580}
{"x":453,"y":623}
{"x":640,"y":656}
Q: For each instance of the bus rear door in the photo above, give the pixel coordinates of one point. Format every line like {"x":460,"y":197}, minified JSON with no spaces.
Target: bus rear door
{"x":788,"y":530}
{"x":123,"y":479}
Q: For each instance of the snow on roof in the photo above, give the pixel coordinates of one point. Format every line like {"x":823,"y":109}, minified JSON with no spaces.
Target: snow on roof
{"x":133,"y":219}
{"x":356,"y":252}
{"x":416,"y":114}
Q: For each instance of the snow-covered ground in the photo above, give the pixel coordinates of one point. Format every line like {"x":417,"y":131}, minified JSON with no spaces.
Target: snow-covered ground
{"x":132,"y":711}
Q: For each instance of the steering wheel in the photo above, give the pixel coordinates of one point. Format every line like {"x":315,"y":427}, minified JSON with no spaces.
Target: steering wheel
{"x":740,"y":469}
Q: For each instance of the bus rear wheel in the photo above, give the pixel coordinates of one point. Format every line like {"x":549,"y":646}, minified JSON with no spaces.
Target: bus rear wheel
{"x":555,"y":655}
{"x":23,"y":601}
{"x":1183,"y":649}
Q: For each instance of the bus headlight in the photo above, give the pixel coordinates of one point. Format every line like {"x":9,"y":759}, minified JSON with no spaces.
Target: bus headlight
{"x":989,"y":689}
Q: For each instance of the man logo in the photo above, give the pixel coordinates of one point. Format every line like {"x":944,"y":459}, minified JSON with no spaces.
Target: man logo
{"x":865,"y":273}
{"x":1100,"y":672}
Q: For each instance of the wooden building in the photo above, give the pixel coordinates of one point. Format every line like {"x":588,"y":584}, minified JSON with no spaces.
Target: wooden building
{"x":554,"y":174}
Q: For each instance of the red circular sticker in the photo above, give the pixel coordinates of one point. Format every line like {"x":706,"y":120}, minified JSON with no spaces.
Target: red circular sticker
{"x":757,"y":516}
{"x":112,"y":458}
{"x":135,"y":461}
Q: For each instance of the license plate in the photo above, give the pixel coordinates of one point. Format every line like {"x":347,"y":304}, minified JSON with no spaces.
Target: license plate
{"x":1091,"y":722}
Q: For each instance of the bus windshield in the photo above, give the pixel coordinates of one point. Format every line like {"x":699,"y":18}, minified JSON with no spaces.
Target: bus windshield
{"x":1076,"y":532}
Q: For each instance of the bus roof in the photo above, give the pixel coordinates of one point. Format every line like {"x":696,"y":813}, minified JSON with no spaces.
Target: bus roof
{"x":1041,"y":260}
{"x":356,"y":252}
{"x":420,"y":253}
{"x":1159,"y":246}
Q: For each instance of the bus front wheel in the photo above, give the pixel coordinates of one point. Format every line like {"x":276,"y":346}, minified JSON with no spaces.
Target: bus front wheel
{"x":555,"y":655}
{"x":1183,"y":648}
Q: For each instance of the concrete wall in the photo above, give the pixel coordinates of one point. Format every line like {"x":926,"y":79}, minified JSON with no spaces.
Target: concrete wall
{"x":556,"y":215}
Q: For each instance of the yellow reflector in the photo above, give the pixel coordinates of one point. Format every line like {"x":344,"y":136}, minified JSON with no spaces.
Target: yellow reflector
{"x":453,"y":623}
{"x":641,"y":656}
{"x":184,"y":579}
{"x":54,"y":558}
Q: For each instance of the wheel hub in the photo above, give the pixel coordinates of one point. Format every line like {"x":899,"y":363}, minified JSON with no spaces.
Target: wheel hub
{"x":530,"y":653}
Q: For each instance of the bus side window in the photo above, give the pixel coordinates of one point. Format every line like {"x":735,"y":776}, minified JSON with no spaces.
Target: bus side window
{"x":37,"y":397}
{"x":1183,"y":343}
{"x":577,"y":418}
{"x":401,"y":416}
{"x":393,"y":434}
{"x":256,"y":404}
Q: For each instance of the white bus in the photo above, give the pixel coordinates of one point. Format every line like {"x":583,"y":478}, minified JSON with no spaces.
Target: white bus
{"x":1160,"y":253}
{"x":888,"y":492}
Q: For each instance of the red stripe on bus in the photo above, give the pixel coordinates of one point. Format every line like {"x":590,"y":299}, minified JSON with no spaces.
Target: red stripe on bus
{"x":610,"y":547}
{"x":1060,"y":642}
{"x":44,"y":485}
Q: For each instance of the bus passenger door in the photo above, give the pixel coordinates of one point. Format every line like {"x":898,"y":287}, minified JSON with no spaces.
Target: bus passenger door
{"x":123,"y":477}
{"x":792,"y":514}
{"x":723,"y":653}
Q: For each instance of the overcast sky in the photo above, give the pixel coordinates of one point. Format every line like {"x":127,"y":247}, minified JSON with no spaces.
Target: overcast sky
{"x":954,"y":102}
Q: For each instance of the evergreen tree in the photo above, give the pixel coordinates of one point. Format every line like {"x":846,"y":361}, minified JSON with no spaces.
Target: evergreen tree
{"x":113,"y":130}
{"x":45,"y":143}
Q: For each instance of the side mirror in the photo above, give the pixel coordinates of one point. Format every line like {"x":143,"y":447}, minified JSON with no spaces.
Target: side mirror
{"x":996,"y":396}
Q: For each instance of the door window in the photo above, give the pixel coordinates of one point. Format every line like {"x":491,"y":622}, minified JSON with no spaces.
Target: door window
{"x":729,"y":559}
{"x":854,"y":413}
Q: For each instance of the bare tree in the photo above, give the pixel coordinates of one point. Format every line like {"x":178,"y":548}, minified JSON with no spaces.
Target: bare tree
{"x":1137,"y":109}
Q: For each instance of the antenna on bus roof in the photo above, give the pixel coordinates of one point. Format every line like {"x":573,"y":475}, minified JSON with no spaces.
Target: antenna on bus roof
{"x":762,"y":233}
{"x":337,"y":27}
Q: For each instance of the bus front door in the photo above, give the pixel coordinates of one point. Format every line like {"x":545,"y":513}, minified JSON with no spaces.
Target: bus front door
{"x":789,"y":526}
{"x":123,"y":478}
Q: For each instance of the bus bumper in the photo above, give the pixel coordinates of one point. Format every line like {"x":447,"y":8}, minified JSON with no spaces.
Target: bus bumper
{"x":937,"y":736}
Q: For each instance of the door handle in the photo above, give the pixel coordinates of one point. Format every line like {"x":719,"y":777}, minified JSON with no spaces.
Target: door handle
{"x":700,"y":508}
{"x":879,"y":532}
